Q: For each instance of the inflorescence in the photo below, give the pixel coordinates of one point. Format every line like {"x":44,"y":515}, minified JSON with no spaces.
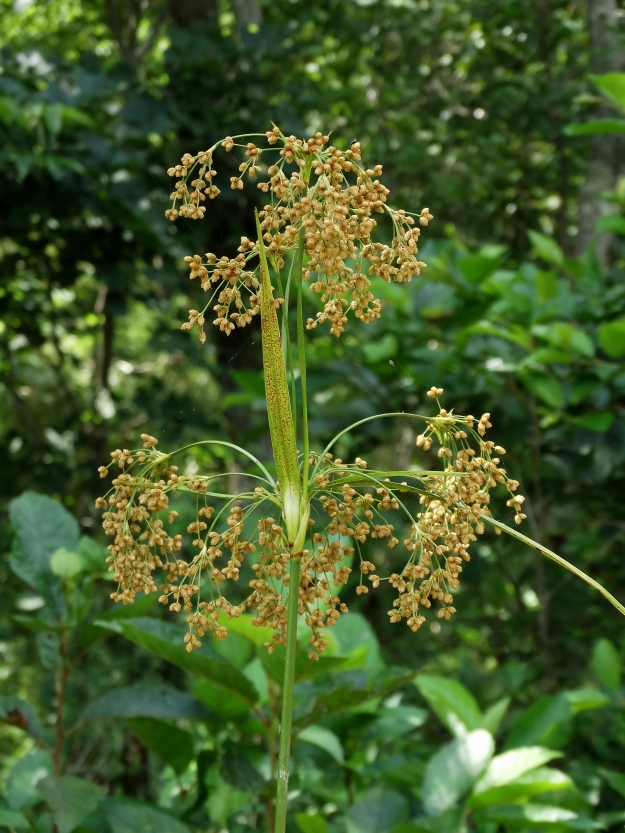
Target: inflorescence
{"x":316,"y":190}
{"x":350,"y":505}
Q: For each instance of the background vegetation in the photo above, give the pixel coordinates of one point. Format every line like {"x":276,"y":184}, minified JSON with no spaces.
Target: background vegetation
{"x":519,"y":313}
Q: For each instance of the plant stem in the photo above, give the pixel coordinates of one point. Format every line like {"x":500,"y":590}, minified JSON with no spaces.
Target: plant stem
{"x":287,"y":697}
{"x":301,"y":351}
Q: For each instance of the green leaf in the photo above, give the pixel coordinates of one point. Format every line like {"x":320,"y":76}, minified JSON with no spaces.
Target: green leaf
{"x":612,"y":338}
{"x":615,"y":779}
{"x":381,"y":349}
{"x":159,"y":702}
{"x":238,"y":771}
{"x":70,"y":800}
{"x":539,"y":723}
{"x":546,"y":248}
{"x":451,"y":821}
{"x":452,"y":702}
{"x":66,"y":564}
{"x":9,"y":818}
{"x":42,"y":525}
{"x":536,"y":816}
{"x":582,"y":699}
{"x":477,"y":268}
{"x":311,"y":824}
{"x":454,"y":769}
{"x":546,"y":388}
{"x":170,"y":743}
{"x":352,"y":632}
{"x":612,"y":222}
{"x":49,"y":650}
{"x":512,"y":764}
{"x":24,"y":777}
{"x":523,"y":788}
{"x":244,"y":626}
{"x":494,"y":715}
{"x":226,"y":704}
{"x":165,"y":641}
{"x":399,"y":721}
{"x":377,"y":812}
{"x":612,"y":84}
{"x":347,"y":696}
{"x":17,"y":712}
{"x":591,"y":128}
{"x":606,"y":663}
{"x":305,"y":668}
{"x":599,"y":422}
{"x":324,"y":739}
{"x":128,"y":816}
{"x":546,"y":286}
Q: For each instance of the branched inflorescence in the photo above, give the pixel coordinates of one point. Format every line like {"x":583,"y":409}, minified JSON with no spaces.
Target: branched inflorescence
{"x":350,"y":506}
{"x":319,"y":191}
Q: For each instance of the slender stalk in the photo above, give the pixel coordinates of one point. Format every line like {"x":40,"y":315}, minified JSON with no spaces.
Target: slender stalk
{"x":301,"y":351}
{"x":287,"y":697}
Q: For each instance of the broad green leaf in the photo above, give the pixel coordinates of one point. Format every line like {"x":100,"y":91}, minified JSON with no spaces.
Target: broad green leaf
{"x":235,"y":649}
{"x":454,"y":769}
{"x":523,"y":788}
{"x":305,"y":668}
{"x":612,"y":222}
{"x":244,"y":626}
{"x":512,"y":764}
{"x":582,"y":699}
{"x":377,"y":812}
{"x":324,"y":739}
{"x":606,"y":663}
{"x":613,"y":85}
{"x":168,"y":742}
{"x":348,"y":695}
{"x":66,"y":564}
{"x":536,"y":816}
{"x":226,"y":704}
{"x":42,"y":525}
{"x":352,"y":631}
{"x":70,"y":800}
{"x":547,"y":388}
{"x":612,"y":338}
{"x":546,"y":286}
{"x":567,"y":336}
{"x":238,"y":771}
{"x":127,"y":816}
{"x":399,"y":721}
{"x":17,"y":712}
{"x":11,"y":819}
{"x":141,"y":607}
{"x":590,"y":128}
{"x":223,"y":801}
{"x":615,"y":779}
{"x":452,"y":702}
{"x":382,"y":349}
{"x":23,"y":779}
{"x":494,"y":715}
{"x":165,"y":641}
{"x":477,"y":267}
{"x":546,"y":248}
{"x":451,"y":821}
{"x":311,"y":824}
{"x":49,"y":650}
{"x":599,"y":422}
{"x":160,"y":702}
{"x":540,"y":722}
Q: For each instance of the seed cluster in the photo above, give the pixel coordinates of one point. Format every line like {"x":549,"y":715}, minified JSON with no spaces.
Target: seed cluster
{"x":350,"y":505}
{"x":320,"y":192}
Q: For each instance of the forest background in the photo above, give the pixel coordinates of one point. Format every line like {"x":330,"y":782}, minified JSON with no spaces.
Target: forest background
{"x":468,"y":104}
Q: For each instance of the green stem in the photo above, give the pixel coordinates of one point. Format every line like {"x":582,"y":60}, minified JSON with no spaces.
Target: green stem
{"x":301,"y":350}
{"x":287,"y":697}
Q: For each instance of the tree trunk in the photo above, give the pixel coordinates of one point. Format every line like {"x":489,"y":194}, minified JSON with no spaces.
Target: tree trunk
{"x":605,"y":163}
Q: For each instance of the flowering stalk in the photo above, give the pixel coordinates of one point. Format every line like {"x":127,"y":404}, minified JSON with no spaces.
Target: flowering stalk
{"x":321,"y":215}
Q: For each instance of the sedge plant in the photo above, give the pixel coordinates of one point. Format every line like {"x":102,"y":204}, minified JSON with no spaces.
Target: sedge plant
{"x":303,"y":519}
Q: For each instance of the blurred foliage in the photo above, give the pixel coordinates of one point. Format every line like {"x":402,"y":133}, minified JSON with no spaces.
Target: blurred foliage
{"x":467,"y":106}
